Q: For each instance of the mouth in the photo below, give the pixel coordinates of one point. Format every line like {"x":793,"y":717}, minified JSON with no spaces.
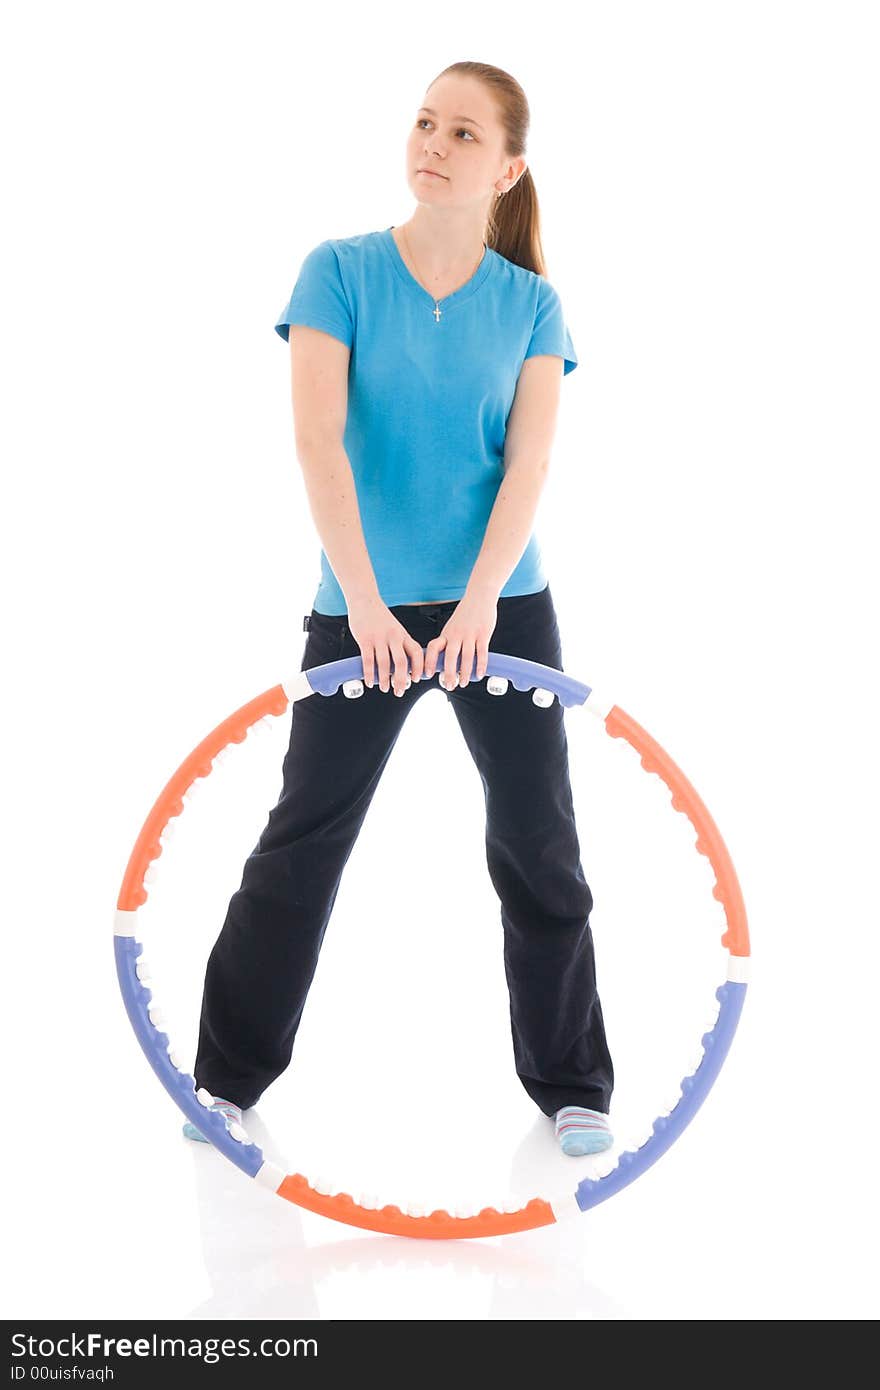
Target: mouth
{"x":430,"y":173}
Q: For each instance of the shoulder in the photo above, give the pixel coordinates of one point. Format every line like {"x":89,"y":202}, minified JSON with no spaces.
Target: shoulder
{"x":534,"y":291}
{"x":540,"y":314}
{"x":354,"y":263}
{"x":343,"y":251}
{"x":351,"y":250}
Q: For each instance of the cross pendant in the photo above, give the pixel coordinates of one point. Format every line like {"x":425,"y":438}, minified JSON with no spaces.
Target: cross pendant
{"x":436,"y":312}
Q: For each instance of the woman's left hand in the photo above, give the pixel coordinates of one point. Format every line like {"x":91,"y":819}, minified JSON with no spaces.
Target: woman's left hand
{"x":465,"y":635}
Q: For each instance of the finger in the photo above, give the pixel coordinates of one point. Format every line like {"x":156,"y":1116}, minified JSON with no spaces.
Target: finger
{"x":467,"y":662}
{"x":383,"y":661}
{"x":400,"y":679}
{"x":482,"y":659}
{"x":431,"y":658}
{"x":367,"y":656}
{"x":416,"y":659}
{"x":450,"y":662}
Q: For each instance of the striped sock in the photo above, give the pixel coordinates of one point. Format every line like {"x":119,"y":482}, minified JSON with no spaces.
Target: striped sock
{"x":223,"y":1107}
{"x":582,"y":1131}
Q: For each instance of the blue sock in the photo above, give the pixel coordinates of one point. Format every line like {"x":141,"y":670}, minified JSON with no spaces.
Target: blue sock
{"x":224,"y":1107}
{"x":582,"y":1131}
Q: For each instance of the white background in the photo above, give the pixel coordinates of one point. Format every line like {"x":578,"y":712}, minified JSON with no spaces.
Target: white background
{"x":707,"y":181}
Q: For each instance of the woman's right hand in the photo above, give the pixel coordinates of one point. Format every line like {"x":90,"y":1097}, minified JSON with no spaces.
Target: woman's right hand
{"x":384,"y":642}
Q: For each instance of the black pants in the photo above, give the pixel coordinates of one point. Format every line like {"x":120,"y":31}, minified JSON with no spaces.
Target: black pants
{"x":262,"y":964}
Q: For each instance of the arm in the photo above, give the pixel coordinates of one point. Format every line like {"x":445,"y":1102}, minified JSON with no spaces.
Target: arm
{"x":319,"y":377}
{"x":531,"y":427}
{"x":319,"y":386}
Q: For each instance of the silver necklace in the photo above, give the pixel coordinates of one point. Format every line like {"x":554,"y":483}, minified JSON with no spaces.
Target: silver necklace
{"x":436,"y":311}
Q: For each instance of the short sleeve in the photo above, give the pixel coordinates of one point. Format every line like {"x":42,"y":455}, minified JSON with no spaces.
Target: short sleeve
{"x":550,"y":336}
{"x":319,"y":299}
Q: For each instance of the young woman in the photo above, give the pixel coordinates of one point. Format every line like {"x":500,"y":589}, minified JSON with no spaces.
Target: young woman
{"x":426,"y":368}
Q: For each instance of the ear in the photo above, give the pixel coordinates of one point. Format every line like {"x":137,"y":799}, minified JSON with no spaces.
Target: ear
{"x":515,"y":170}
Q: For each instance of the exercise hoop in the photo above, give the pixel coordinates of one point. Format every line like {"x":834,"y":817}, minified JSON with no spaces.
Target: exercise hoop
{"x":233,"y":1141}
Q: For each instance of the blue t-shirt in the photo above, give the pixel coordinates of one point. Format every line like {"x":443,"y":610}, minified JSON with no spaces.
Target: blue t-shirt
{"x":428,"y":402}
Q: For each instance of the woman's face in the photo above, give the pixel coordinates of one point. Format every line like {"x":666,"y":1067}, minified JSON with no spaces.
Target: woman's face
{"x":466,"y":155}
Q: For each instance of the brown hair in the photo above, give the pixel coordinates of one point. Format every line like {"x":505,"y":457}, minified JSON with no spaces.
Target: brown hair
{"x":513,"y":229}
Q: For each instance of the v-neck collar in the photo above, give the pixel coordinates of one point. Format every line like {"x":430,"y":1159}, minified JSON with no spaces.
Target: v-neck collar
{"x":418,"y":291}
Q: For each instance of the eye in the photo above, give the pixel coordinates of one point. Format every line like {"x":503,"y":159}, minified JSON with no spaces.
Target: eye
{"x":462,"y":130}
